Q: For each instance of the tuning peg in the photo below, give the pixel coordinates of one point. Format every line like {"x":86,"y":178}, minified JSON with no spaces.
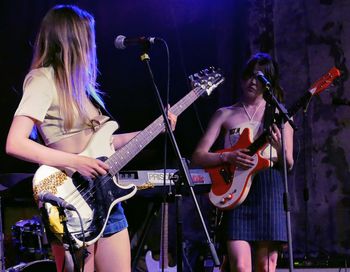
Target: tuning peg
{"x":204,"y":81}
{"x":202,"y":72}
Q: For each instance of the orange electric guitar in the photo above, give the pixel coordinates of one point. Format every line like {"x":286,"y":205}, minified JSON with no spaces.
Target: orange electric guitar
{"x":230,"y":186}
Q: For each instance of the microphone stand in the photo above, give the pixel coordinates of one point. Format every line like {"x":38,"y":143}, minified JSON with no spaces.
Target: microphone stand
{"x":306,"y":191}
{"x":184,"y":170}
{"x":2,"y":253}
{"x":281,"y":119}
{"x":66,"y":239}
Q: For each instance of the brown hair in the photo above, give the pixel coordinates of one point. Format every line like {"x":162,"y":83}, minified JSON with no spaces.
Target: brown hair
{"x":270,"y":70}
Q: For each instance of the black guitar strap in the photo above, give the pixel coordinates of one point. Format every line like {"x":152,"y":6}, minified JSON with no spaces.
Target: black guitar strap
{"x":269,"y":116}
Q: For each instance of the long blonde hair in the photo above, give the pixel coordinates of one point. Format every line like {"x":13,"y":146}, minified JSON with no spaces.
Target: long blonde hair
{"x":66,"y":41}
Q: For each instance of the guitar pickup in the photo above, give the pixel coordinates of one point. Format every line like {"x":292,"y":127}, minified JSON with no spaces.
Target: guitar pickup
{"x":226,"y":174}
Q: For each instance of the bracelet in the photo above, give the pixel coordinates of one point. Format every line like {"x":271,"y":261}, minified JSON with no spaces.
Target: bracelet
{"x":221,"y":156}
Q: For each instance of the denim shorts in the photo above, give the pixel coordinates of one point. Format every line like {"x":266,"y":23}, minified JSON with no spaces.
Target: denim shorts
{"x":116,"y":221}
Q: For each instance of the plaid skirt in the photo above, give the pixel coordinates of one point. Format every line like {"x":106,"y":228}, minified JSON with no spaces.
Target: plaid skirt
{"x":261,"y":217}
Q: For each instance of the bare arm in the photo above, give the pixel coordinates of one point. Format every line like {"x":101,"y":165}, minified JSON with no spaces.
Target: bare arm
{"x":289,"y":135}
{"x":276,"y":143}
{"x":202,"y":157}
{"x":119,"y":140}
{"x":19,"y":145}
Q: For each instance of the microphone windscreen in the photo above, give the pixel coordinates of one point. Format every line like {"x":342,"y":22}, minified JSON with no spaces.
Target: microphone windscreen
{"x":119,"y":42}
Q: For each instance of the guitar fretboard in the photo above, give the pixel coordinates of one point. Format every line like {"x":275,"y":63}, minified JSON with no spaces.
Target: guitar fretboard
{"x":123,"y":155}
{"x":163,"y":260}
{"x":262,"y":139}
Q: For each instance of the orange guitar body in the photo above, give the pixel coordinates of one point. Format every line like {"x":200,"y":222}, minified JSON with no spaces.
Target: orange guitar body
{"x":230,"y":185}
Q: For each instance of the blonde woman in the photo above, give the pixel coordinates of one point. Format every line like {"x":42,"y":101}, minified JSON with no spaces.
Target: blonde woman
{"x":57,"y":101}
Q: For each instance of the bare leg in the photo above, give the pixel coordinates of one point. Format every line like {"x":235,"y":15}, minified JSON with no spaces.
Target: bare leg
{"x":58,"y":253}
{"x":107,"y":254}
{"x":89,"y":265}
{"x":239,"y":253}
{"x":63,"y":257}
{"x":266,"y":255}
{"x":113,"y":253}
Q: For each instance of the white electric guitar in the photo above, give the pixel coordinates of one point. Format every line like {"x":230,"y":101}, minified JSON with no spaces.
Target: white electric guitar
{"x":163,"y":264}
{"x":94,"y":199}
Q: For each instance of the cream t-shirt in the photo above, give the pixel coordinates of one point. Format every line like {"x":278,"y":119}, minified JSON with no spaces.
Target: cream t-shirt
{"x":40,"y":102}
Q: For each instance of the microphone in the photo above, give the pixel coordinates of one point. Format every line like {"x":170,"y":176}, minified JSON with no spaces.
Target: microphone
{"x":56,"y":201}
{"x":121,"y":42}
{"x":261,"y":77}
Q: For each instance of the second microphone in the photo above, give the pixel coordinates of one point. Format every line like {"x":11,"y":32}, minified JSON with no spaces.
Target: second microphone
{"x":121,"y":42}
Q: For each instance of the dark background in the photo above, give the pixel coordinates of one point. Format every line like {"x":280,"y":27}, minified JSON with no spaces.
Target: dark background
{"x":306,"y":37}
{"x":191,"y":30}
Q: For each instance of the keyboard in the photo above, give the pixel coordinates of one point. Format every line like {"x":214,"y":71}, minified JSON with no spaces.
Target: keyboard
{"x":154,"y":179}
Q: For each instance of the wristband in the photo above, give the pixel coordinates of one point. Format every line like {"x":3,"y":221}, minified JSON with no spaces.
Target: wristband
{"x":221,"y":156}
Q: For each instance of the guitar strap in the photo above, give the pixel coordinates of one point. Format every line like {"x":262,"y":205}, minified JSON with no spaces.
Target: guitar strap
{"x":269,"y":118}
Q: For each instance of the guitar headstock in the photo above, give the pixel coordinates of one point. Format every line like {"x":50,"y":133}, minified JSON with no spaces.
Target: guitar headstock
{"x":324,"y":82}
{"x":207,"y":79}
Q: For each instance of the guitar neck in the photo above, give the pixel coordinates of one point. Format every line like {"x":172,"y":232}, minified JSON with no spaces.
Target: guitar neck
{"x":262,"y":139}
{"x":123,"y":155}
{"x":163,"y":260}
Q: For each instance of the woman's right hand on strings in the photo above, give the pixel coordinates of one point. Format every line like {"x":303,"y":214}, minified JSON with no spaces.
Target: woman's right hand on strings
{"x":90,"y":167}
{"x":238,"y":158}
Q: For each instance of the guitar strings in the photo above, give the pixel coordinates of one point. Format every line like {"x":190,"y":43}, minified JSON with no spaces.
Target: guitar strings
{"x":156,"y":130}
{"x":77,"y":199}
{"x":74,"y":198}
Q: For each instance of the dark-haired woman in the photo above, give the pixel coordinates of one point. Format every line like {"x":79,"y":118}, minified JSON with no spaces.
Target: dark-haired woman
{"x":255,"y":230}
